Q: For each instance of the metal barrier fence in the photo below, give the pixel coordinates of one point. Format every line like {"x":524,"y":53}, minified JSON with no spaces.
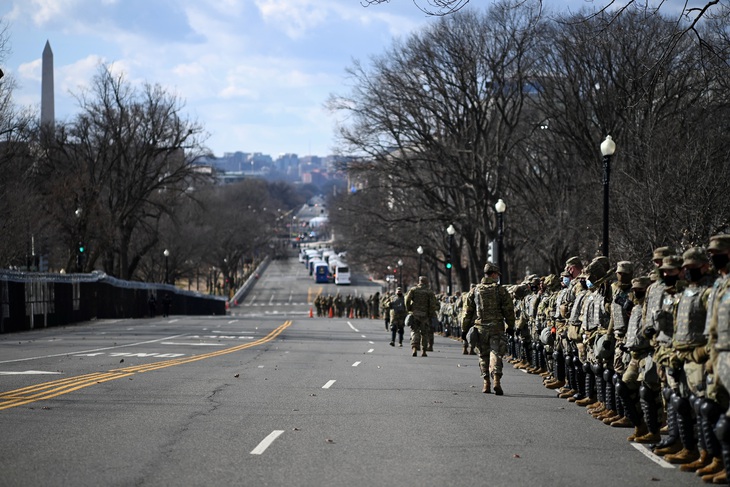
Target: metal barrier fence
{"x":31,"y":300}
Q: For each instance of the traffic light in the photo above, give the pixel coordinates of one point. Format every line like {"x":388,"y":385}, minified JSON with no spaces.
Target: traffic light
{"x":448,"y":262}
{"x":81,"y":248}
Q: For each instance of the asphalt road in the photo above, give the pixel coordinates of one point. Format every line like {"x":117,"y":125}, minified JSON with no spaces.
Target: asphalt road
{"x":270,"y":396}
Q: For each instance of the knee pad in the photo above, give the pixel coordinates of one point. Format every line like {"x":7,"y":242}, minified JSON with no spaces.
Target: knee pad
{"x":646,"y":393}
{"x":696,"y":403}
{"x":709,"y":409}
{"x":681,"y":404}
{"x":556,"y":355}
{"x":576,"y":361}
{"x":722,"y":429}
{"x":586,"y":367}
{"x":667,"y":394}
{"x":622,"y":389}
{"x":616,"y":377}
{"x":608,"y":375}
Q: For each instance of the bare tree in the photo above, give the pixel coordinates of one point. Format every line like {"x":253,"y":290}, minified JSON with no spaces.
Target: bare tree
{"x":120,"y":165}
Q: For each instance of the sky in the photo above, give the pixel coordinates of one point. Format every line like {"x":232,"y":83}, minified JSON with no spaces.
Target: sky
{"x":255,"y":73}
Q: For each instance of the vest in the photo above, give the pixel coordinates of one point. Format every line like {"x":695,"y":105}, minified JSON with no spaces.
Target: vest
{"x":619,"y":314}
{"x":635,"y":339}
{"x":721,"y":314}
{"x":691,"y":318}
{"x":487,"y":303}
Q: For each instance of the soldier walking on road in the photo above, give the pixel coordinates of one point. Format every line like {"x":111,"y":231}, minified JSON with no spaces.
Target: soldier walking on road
{"x":422,"y":305}
{"x":488,"y":308}
{"x":396,"y":309}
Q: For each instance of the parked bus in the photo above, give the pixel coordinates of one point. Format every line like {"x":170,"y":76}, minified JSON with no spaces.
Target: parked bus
{"x":342,"y":274}
{"x":321,"y":272}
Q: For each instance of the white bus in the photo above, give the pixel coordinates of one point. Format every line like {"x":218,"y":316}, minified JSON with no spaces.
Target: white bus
{"x":342,"y":274}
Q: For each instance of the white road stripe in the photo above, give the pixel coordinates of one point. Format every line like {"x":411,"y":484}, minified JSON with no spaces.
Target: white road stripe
{"x":371,"y":350}
{"x":196,"y":344}
{"x":328,"y":384}
{"x":364,"y":336}
{"x":29,"y":372}
{"x":266,"y":442}
{"x":371,"y":343}
{"x":232,"y":321}
{"x":356,"y":364}
{"x":651,"y":456}
{"x":353,"y":328}
{"x":89,"y":351}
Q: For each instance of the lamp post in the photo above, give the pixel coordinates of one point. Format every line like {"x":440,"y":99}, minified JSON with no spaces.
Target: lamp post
{"x":400,"y":273}
{"x":451,"y":231}
{"x":608,"y":147}
{"x":166,"y":253}
{"x":500,"y":206}
{"x":420,"y":258}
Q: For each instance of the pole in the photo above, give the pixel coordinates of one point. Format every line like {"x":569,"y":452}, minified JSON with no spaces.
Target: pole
{"x":606,"y":177}
{"x":167,"y":272}
{"x":420,"y":260}
{"x":500,"y":242}
{"x":451,"y":253}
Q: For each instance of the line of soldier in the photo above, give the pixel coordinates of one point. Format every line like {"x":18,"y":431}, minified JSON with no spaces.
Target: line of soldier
{"x":355,"y":306}
{"x":648,"y":352}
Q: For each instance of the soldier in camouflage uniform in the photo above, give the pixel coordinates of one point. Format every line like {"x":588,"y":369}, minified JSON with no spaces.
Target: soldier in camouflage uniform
{"x":396,"y":309}
{"x":621,"y":307}
{"x":545,"y":313}
{"x":557,"y":380}
{"x":574,"y":267}
{"x":688,"y":357}
{"x":422,"y":305}
{"x":717,"y":368}
{"x":638,"y":348}
{"x":575,"y":341}
{"x":489,"y":308}
{"x":658,"y":324}
{"x":595,"y":323}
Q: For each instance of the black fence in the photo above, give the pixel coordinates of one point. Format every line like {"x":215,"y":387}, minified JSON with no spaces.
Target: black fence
{"x":31,"y":300}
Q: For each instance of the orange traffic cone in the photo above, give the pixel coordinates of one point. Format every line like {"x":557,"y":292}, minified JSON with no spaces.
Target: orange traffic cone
{"x":331,"y":313}
{"x":352,"y":314}
{"x":311,"y":313}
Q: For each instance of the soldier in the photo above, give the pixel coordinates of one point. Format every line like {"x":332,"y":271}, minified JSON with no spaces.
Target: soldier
{"x":422,"y":305}
{"x":717,"y":329}
{"x":575,"y":342}
{"x":467,"y":349}
{"x":545,"y":313}
{"x":384,"y":308}
{"x":558,"y":317}
{"x":488,"y":309}
{"x":659,"y":325}
{"x":621,"y":307}
{"x":574,"y":268}
{"x":686,"y":367}
{"x":396,"y":309}
{"x":638,"y":347}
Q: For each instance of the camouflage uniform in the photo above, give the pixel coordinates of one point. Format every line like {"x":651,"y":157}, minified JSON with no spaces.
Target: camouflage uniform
{"x":396,"y":309}
{"x":685,"y":366}
{"x":659,"y":309}
{"x":488,"y":308}
{"x":422,"y":305}
{"x":559,"y":311}
{"x":717,"y":368}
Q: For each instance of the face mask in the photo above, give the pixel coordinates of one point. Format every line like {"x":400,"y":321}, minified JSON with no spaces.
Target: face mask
{"x":671,"y":280}
{"x":639,"y":293}
{"x":566,"y":281}
{"x":624,"y":278}
{"x":694,"y":275}
{"x":589,"y":284}
{"x":720,"y":261}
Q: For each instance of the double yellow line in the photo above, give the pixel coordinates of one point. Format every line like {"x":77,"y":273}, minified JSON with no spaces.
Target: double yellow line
{"x":48,"y":390}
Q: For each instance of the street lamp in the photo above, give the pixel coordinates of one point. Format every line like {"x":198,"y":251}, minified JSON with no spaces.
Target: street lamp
{"x":500,"y":207}
{"x":166,"y":253}
{"x":400,"y":273}
{"x":451,"y":231}
{"x":608,"y":147}
{"x":420,"y":258}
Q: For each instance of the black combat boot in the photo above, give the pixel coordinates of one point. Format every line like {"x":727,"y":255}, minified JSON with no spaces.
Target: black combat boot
{"x":647,"y":398}
{"x":685,"y":422}
{"x":670,"y":443}
{"x":589,"y":394}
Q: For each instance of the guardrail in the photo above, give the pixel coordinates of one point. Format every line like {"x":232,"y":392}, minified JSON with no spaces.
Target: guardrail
{"x":31,"y":300}
{"x":240,"y":295}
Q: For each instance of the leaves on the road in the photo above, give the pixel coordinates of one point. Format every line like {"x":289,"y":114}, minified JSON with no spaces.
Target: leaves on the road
{"x":236,"y":376}
{"x":329,"y":441}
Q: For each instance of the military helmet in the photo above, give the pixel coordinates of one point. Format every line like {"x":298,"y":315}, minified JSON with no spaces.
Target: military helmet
{"x":719,"y":243}
{"x":575,"y":260}
{"x":671,"y":262}
{"x":642,"y":282}
{"x":695,"y":257}
{"x":661,"y":252}
{"x":625,"y":267}
{"x":490,"y":268}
